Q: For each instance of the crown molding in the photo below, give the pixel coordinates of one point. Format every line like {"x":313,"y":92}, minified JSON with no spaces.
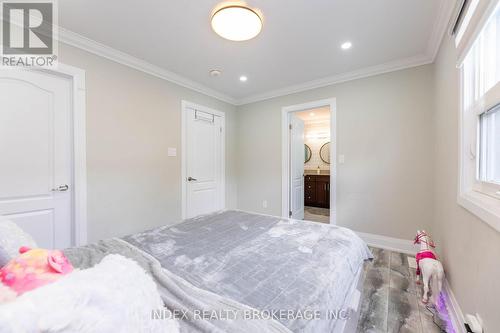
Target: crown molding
{"x":340,"y":78}
{"x":439,"y":29}
{"x":71,"y":38}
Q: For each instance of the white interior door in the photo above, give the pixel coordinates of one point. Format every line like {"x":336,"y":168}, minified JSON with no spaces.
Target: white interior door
{"x":36,"y":155}
{"x":204,"y":162}
{"x":297,"y":167}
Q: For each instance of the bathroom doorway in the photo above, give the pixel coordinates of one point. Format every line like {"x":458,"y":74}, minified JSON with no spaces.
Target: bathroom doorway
{"x":316,"y":164}
{"x":309,"y":168}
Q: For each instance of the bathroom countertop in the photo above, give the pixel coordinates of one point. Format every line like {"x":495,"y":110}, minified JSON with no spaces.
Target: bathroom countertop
{"x":315,"y":172}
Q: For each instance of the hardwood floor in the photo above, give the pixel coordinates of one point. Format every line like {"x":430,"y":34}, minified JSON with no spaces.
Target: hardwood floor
{"x":391,"y":300}
{"x":316,"y":214}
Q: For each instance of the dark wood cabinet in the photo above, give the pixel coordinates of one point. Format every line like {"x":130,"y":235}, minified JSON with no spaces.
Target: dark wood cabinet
{"x":317,"y":191}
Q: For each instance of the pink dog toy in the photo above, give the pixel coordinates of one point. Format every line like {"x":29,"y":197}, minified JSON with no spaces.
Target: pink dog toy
{"x":34,"y":268}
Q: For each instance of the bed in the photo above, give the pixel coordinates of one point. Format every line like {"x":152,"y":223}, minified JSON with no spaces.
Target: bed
{"x":283,"y":275}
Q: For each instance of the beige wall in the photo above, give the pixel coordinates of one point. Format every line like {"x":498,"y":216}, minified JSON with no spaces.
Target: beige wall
{"x":469,"y":248}
{"x":384,"y":131}
{"x":132,"y":119}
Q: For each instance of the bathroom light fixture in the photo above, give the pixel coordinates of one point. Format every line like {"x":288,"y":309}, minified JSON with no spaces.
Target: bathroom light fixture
{"x":317,"y":135}
{"x":243,"y":78}
{"x":236,"y":23}
{"x":346,"y":46}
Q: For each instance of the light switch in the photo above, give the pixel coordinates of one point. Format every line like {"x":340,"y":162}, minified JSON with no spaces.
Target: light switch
{"x":172,"y":151}
{"x":341,"y":159}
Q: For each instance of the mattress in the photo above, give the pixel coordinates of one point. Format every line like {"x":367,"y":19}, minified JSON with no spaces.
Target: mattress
{"x":300,"y":272}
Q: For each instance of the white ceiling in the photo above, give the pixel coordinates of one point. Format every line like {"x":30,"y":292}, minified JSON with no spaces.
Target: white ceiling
{"x":298,"y":48}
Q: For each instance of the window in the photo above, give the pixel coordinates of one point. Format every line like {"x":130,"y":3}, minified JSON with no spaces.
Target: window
{"x":470,"y":7}
{"x":480,"y":123}
{"x":489,"y":143}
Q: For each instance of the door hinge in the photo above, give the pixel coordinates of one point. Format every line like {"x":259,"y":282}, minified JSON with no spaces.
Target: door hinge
{"x":220,"y":129}
{"x":290,"y":214}
{"x":290,"y":126}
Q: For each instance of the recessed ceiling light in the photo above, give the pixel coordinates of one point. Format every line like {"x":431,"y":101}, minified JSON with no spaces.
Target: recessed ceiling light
{"x":236,"y":23}
{"x":346,"y":46}
{"x":311,"y":114}
{"x":243,"y":78}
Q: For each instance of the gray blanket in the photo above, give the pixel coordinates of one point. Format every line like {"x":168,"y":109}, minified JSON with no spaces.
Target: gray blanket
{"x":178,"y":295}
{"x":267,"y":263}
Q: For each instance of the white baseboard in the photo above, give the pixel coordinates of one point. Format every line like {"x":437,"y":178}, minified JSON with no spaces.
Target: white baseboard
{"x":454,"y":309}
{"x":389,"y":243}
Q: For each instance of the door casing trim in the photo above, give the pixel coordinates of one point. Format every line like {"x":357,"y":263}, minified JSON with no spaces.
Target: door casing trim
{"x":285,"y":158}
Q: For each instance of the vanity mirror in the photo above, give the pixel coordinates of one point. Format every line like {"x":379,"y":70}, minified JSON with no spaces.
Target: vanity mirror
{"x":307,"y":153}
{"x":324,"y":153}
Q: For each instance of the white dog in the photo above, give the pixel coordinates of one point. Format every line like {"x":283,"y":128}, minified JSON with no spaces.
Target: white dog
{"x":429,"y":265}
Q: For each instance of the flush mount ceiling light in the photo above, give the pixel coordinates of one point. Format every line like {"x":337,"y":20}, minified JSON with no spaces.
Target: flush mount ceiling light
{"x":243,"y":78}
{"x":346,"y":46}
{"x":236,"y":23}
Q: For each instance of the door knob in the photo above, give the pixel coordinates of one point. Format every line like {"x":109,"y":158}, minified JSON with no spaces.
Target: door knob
{"x":61,"y":188}
{"x":191,"y":179}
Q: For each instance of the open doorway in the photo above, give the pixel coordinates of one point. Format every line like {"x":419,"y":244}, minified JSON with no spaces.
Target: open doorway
{"x":316,"y":163}
{"x":309,"y":161}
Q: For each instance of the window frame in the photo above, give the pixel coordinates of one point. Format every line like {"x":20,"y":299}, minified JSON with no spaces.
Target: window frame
{"x":480,"y":197}
{"x":483,"y":185}
{"x":480,"y":185}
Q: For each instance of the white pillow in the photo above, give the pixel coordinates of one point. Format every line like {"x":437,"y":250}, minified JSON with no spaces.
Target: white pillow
{"x":115,"y":296}
{"x":12,"y":238}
